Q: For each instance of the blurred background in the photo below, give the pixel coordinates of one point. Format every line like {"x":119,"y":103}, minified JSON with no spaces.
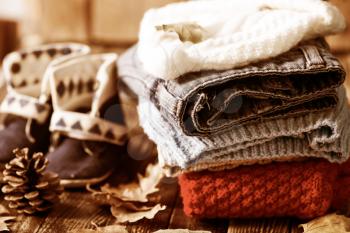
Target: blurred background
{"x":106,"y":25}
{"x":103,"y":24}
{"x":109,"y":24}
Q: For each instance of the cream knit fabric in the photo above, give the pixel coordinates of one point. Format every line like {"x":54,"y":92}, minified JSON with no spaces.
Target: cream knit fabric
{"x":234,"y":32}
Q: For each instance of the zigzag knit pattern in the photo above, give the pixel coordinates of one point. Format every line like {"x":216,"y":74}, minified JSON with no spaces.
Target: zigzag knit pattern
{"x":297,"y":189}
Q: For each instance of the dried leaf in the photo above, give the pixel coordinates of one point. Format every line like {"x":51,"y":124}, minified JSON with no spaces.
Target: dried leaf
{"x":138,"y":191}
{"x":129,"y":202}
{"x":118,"y":203}
{"x":83,"y":231}
{"x":104,"y":198}
{"x":105,"y":229}
{"x":4,"y":221}
{"x":180,"y":231}
{"x":123,"y":214}
{"x":133,"y":206}
{"x":113,"y":229}
{"x":186,"y":31}
{"x":107,"y":199}
{"x":331,"y":223}
{"x":3,"y":210}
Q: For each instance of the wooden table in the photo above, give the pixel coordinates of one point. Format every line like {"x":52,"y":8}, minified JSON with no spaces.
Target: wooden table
{"x":78,"y":209}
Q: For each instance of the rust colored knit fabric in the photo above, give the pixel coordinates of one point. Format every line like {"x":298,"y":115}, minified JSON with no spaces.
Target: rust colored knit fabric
{"x":298,"y":189}
{"x":342,"y":194}
{"x":345,"y":169}
{"x":342,"y":188}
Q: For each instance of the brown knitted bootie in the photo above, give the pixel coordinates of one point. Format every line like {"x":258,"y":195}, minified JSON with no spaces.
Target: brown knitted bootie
{"x":27,"y":105}
{"x":87,"y":123}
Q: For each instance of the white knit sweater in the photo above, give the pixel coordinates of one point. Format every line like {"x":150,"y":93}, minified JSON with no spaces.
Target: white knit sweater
{"x":235,"y":32}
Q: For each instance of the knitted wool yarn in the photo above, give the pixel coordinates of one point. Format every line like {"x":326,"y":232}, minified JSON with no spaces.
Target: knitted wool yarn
{"x":278,"y":140}
{"x":297,"y":189}
{"x":342,"y":192}
{"x":26,"y":107}
{"x":92,"y":90}
{"x":211,"y":102}
{"x":201,"y":35}
{"x":342,"y":188}
{"x":87,"y":121}
{"x":25,"y":72}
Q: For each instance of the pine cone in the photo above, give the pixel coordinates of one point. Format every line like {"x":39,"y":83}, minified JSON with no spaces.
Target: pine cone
{"x":28,"y":189}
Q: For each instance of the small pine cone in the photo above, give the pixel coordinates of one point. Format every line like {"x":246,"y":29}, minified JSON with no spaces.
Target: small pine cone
{"x":28,"y":188}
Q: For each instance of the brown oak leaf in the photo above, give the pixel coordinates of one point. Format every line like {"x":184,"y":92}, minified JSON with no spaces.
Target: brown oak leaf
{"x":138,"y":191}
{"x":123,"y":214}
{"x":5,"y":219}
{"x":4,"y":223}
{"x":129,"y":202}
{"x":331,"y":223}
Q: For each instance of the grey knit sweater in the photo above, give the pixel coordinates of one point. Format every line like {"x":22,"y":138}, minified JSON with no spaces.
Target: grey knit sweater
{"x":318,"y":134}
{"x":297,"y":82}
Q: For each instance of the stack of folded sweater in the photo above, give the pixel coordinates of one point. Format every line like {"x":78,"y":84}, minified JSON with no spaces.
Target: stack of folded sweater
{"x":245,"y":102}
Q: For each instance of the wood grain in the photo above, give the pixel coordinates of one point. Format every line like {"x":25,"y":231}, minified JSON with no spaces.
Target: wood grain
{"x":180,"y":221}
{"x":275,"y":225}
{"x":76,"y":210}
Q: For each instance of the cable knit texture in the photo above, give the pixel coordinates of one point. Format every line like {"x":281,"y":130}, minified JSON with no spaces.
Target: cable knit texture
{"x":260,"y":29}
{"x":325,"y":135}
{"x":298,"y":189}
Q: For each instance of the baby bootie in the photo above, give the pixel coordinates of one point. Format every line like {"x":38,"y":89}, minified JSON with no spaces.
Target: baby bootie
{"x":26,"y":105}
{"x":87,"y":122}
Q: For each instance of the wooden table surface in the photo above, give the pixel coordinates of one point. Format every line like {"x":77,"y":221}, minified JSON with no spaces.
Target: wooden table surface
{"x":78,"y":209}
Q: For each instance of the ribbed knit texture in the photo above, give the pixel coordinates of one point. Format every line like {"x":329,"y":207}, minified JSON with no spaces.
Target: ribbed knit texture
{"x":260,"y":29}
{"x":324,"y":134}
{"x":298,"y":189}
{"x":211,"y":102}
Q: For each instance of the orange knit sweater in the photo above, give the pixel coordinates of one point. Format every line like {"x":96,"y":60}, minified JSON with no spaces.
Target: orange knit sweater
{"x":299,"y":189}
